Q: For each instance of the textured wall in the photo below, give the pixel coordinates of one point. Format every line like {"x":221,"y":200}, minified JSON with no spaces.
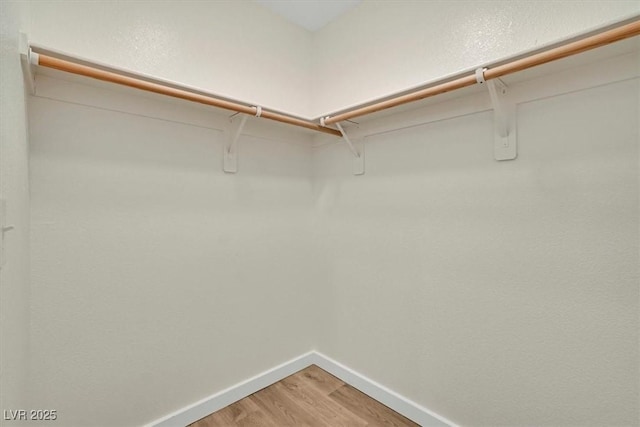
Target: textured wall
{"x":157,"y":279}
{"x":233,"y":48}
{"x":14,"y":188}
{"x":493,"y":293}
{"x":243,"y":50}
{"x":490,"y":293}
{"x":382,"y":47}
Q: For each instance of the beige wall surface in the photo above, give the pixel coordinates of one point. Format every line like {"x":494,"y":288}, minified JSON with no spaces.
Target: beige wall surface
{"x":14,"y":189}
{"x":383,"y":47}
{"x":493,"y":293}
{"x":157,"y":279}
{"x":237,"y":49}
{"x":242,"y":50}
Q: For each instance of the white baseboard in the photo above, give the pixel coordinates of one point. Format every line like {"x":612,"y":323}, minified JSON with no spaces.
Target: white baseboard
{"x":213,"y":403}
{"x":382,"y":394}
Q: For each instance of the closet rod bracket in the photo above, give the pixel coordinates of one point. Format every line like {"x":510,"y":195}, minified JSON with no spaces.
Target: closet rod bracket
{"x":504,"y":117}
{"x":356,"y":148}
{"x":28,"y":61}
{"x":232,"y":133}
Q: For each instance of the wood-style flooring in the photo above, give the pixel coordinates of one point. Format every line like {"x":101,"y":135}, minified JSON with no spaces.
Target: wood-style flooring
{"x":311,"y":398}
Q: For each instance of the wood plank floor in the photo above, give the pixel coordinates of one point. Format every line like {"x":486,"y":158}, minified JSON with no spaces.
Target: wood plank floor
{"x":311,"y":398}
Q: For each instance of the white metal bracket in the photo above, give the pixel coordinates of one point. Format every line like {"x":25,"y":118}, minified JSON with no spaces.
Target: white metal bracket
{"x":233,"y":132}
{"x":28,"y":60}
{"x":357,"y":148}
{"x":504,"y":111}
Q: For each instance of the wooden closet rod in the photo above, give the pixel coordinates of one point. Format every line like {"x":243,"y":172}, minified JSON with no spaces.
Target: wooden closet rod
{"x":619,"y":33}
{"x":108,"y":76}
{"x":610,"y":36}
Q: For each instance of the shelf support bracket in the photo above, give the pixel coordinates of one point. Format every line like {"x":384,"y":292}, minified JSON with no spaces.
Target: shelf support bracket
{"x":357,"y":149}
{"x":28,"y":59}
{"x":233,"y":132}
{"x":504,"y":121}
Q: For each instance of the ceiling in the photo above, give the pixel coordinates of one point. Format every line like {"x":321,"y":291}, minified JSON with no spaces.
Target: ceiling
{"x":309,"y":14}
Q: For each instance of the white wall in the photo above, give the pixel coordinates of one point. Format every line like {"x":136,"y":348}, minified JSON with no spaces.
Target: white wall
{"x":493,"y":293}
{"x":382,"y":47}
{"x":14,"y":188}
{"x":237,"y":49}
{"x":242,"y":50}
{"x":157,"y":279}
